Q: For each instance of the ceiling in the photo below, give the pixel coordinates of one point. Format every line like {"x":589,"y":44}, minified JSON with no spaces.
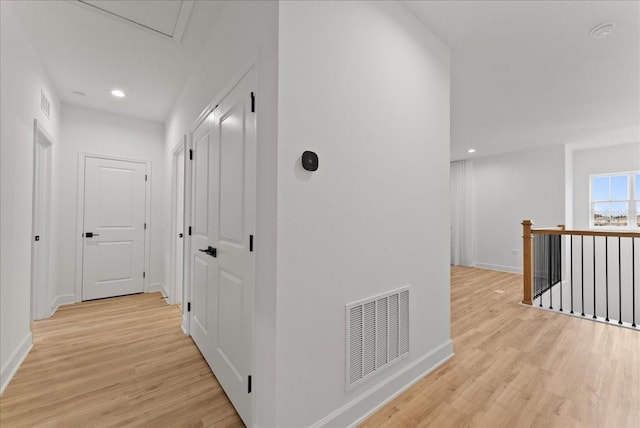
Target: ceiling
{"x":93,"y":51}
{"x":528,"y":73}
{"x":524,"y":73}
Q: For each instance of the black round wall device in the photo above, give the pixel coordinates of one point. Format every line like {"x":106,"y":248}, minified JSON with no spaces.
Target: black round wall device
{"x":309,"y":161}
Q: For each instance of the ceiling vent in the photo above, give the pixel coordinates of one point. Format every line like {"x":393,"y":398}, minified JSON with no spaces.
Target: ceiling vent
{"x":377,"y":334}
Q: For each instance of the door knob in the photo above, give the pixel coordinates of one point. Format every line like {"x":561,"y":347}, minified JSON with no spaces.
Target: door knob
{"x":179,"y":235}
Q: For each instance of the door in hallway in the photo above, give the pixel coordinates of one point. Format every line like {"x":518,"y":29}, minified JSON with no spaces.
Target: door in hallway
{"x":179,"y":225}
{"x":114,"y":228}
{"x":222,"y":258}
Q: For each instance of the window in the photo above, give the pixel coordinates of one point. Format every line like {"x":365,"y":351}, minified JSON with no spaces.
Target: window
{"x":615,"y":201}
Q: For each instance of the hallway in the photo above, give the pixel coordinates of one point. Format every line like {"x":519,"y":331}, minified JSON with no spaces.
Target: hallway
{"x":115,"y":362}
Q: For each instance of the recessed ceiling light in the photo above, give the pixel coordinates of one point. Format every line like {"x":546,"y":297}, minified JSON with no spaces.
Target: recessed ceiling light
{"x":471,"y":151}
{"x":602,"y":30}
{"x":79,"y":93}
{"x":117,"y":93}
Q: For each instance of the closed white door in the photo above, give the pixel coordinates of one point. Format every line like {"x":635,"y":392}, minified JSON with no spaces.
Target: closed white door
{"x":203,"y":264}
{"x":114,"y":228}
{"x":179,"y":227}
{"x":223,"y":277}
{"x":40,"y":298}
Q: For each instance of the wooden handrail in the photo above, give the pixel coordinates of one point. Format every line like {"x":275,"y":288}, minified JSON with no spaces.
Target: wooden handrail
{"x":555,"y":231}
{"x":527,"y":249}
{"x":527,"y":268}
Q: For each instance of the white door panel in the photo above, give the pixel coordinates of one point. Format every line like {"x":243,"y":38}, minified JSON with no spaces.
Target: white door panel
{"x":114,"y":212}
{"x":199,"y":306}
{"x":224,"y":195}
{"x":201,"y":184}
{"x":232,"y":175}
{"x":231,"y":326}
{"x":201,"y":263}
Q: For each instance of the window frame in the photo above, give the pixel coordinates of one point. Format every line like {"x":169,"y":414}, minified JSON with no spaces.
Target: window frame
{"x":632,"y":202}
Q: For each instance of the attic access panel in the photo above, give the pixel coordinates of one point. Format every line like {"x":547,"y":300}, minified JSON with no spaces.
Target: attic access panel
{"x":167,"y":19}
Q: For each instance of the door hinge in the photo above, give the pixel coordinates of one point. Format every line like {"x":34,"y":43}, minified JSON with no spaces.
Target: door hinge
{"x":250,"y":243}
{"x":189,"y":230}
{"x":37,"y":237}
{"x":145,"y":177}
{"x":188,"y":306}
{"x":249,"y":385}
{"x":145,"y":226}
{"x":190,"y":154}
{"x":253,"y":102}
{"x":144,"y":274}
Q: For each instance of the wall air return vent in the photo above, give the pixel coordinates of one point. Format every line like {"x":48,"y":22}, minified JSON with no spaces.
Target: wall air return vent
{"x":377,"y":334}
{"x":45,"y":105}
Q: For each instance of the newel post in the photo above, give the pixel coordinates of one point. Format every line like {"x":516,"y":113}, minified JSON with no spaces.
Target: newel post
{"x":527,"y":268}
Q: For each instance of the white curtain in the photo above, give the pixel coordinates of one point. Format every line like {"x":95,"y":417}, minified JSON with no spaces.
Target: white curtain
{"x":461,"y":213}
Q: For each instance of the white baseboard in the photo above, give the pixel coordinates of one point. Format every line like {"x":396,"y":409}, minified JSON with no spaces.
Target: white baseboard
{"x":164,"y":291}
{"x":65,"y":299}
{"x":372,"y":400}
{"x":157,"y":286}
{"x":16,"y":359}
{"x":510,"y":269}
{"x":185,"y":322}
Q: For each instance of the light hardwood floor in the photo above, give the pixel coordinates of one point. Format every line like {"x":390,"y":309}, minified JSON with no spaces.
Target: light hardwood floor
{"x":518,"y":366}
{"x":125,"y":362}
{"x":114,"y":363}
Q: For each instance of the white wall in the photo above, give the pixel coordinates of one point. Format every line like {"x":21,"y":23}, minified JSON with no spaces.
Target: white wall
{"x":86,"y":130}
{"x":508,"y":189}
{"x":245,"y":33}
{"x":600,"y":160}
{"x":366,"y":86}
{"x":22,"y":78}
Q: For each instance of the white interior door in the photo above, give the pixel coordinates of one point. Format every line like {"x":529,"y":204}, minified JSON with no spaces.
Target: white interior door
{"x":222,"y":303}
{"x":40,"y":299}
{"x":114,"y":228}
{"x":179,"y":226}
{"x":203,"y":266}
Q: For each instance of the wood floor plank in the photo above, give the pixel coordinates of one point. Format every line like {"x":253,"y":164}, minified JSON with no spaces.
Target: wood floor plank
{"x":125,"y":362}
{"x":114,"y":363}
{"x":517,"y":366}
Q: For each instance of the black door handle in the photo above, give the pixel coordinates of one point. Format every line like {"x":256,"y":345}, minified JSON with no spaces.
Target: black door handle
{"x":90,"y":234}
{"x":179,"y":235}
{"x":213,"y":252}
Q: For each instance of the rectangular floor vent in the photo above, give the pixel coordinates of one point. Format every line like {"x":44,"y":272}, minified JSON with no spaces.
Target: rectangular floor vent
{"x":377,"y":334}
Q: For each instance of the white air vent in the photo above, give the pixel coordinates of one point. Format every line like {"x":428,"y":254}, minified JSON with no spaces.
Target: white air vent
{"x":377,"y":334}
{"x":45,"y":105}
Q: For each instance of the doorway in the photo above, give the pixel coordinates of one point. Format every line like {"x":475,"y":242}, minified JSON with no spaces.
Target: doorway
{"x":177,"y":232}
{"x":113,"y":222}
{"x":40,"y":296}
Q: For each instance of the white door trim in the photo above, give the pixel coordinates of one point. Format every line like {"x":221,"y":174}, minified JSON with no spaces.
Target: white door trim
{"x":225,"y":91}
{"x":186,"y":268}
{"x":80,"y":219}
{"x":175,"y":240}
{"x":40,"y":292}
